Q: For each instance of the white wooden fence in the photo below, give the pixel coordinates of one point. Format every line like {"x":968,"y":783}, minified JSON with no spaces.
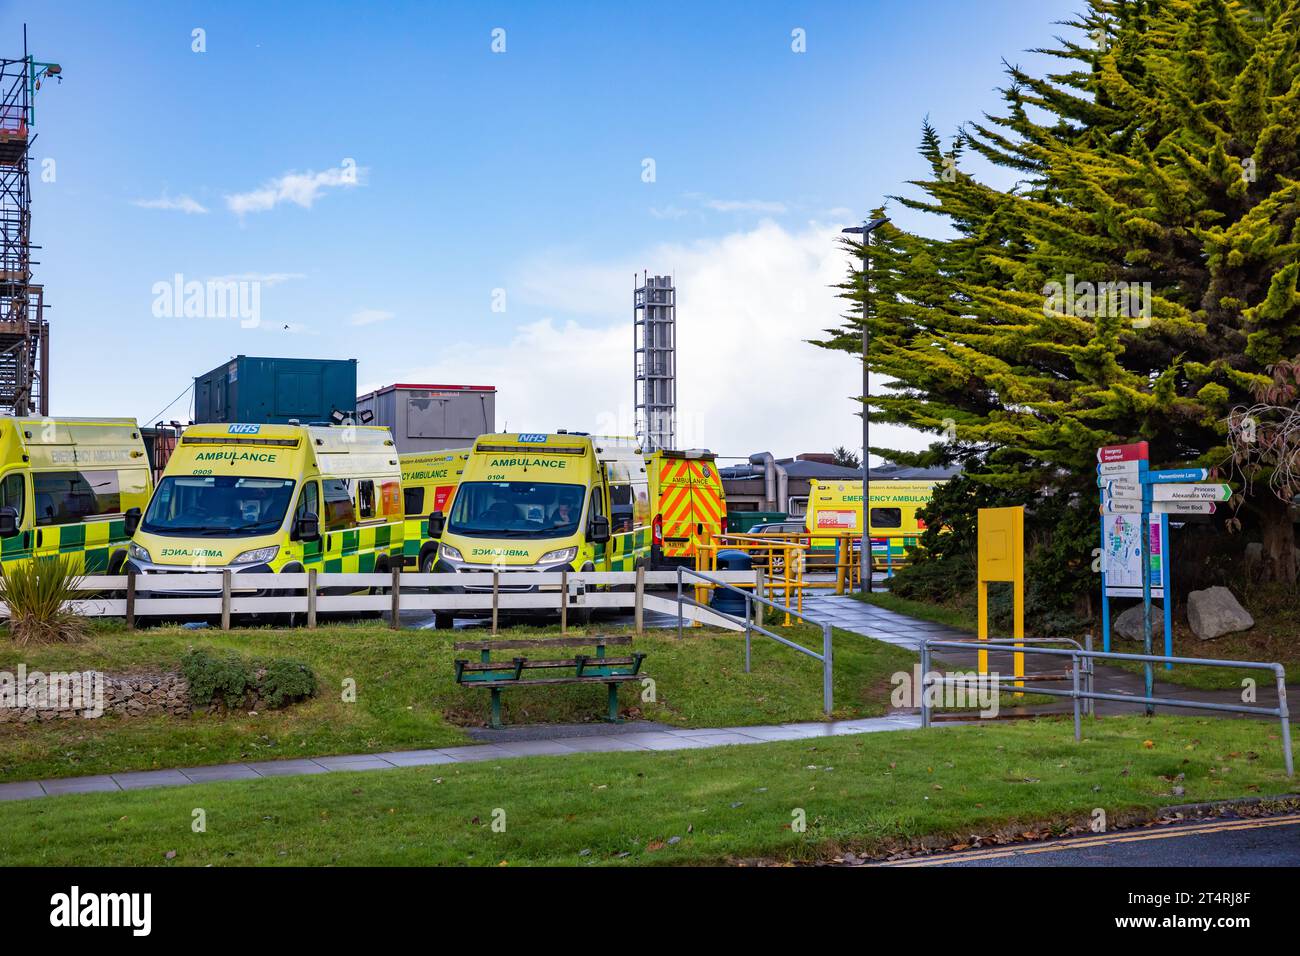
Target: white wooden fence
{"x":306,"y":595}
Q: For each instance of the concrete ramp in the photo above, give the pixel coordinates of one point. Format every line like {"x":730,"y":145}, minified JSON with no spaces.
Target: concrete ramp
{"x":654,"y":602}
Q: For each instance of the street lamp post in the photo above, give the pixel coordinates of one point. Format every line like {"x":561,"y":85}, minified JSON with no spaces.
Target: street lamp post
{"x":865,"y":231}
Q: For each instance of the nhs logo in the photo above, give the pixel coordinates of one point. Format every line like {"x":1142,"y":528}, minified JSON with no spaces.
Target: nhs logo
{"x":536,"y":439}
{"x":244,"y":429}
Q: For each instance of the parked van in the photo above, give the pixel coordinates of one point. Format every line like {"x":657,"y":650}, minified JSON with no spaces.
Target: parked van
{"x":72,"y":487}
{"x":544,"y":502}
{"x":259,"y":498}
{"x":894,"y":525}
{"x":429,"y":481}
{"x":688,"y":504}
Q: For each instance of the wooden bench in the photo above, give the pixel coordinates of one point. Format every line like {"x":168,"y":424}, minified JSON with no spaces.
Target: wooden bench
{"x":499,"y":674}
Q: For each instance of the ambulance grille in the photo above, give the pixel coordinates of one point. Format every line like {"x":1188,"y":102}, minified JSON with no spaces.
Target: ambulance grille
{"x":276,"y":442}
{"x":534,"y":449}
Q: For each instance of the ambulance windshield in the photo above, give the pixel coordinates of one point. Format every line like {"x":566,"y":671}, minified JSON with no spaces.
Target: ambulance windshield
{"x":516,"y":509}
{"x":217,"y":505}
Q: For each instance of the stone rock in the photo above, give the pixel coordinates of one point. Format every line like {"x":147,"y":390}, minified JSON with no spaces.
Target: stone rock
{"x":1214,"y":612}
{"x":1128,"y":625}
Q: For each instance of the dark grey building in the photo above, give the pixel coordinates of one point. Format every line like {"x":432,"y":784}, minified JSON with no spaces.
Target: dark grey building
{"x":432,"y":417}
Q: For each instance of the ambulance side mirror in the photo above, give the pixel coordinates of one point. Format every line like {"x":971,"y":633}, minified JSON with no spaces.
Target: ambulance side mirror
{"x":131,"y":521}
{"x":307,"y":527}
{"x":8,"y":522}
{"x":436,"y":523}
{"x":598,"y":533}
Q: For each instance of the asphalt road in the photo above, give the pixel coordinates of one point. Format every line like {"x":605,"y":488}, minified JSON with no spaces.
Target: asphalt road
{"x":1262,"y":841}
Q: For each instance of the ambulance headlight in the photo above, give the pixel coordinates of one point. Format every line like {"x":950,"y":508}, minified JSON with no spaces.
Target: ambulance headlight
{"x":450,"y":553}
{"x":139,"y":553}
{"x":258,"y":555}
{"x":562,"y":556}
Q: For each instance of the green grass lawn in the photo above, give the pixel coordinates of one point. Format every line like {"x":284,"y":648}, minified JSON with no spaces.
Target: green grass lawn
{"x":958,"y":617}
{"x":1276,"y":611}
{"x":407,"y":698}
{"x":1228,"y":647}
{"x":868,"y":793}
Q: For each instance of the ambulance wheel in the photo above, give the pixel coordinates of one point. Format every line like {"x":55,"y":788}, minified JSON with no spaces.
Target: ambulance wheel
{"x":115,"y":562}
{"x":442,"y":620}
{"x":290,"y":618}
{"x":381,"y":567}
{"x":581,"y":616}
{"x":427,"y":561}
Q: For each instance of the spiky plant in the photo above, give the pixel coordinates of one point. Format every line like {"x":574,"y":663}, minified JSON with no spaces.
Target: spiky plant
{"x":38,"y":596}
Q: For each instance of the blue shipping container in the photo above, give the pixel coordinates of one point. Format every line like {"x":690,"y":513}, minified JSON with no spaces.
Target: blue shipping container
{"x":276,"y":390}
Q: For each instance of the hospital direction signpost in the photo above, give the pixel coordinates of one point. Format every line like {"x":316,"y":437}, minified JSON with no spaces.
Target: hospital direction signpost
{"x":1136,"y":502}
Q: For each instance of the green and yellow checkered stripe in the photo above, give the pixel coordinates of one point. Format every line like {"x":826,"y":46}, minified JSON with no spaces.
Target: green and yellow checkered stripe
{"x":624,"y":550}
{"x":415,"y":533}
{"x":89,"y":545}
{"x":355,"y":550}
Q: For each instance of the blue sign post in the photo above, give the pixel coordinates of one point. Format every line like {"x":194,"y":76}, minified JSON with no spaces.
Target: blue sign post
{"x":1131,"y":490}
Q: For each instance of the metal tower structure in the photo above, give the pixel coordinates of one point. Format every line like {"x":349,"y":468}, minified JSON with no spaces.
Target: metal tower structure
{"x":654,"y":340}
{"x":24,"y":332}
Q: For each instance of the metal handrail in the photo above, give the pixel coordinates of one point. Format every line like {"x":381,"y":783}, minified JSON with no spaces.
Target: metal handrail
{"x":1088,"y":655}
{"x":750,"y":625}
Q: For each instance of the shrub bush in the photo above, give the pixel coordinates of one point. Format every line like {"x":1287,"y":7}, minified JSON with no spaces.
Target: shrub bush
{"x":286,"y":681}
{"x":225,"y":678}
{"x":228,"y":679}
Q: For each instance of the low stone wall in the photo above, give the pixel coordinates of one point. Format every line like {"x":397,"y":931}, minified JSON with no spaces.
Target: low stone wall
{"x":140,"y":695}
{"x":125,"y":695}
{"x":28,"y":696}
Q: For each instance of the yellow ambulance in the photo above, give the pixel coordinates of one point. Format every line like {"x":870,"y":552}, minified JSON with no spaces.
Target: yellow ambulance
{"x":71,"y":487}
{"x":894,"y":524}
{"x":429,"y":481}
{"x":544,"y":502}
{"x":687,"y":502}
{"x":283,"y":498}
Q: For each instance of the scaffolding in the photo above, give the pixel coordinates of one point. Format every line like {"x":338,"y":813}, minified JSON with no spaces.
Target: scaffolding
{"x":654,"y":340}
{"x":24,"y":331}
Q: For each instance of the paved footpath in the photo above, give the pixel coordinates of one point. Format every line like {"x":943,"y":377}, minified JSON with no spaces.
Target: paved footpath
{"x":506,"y":744}
{"x":850,"y":614}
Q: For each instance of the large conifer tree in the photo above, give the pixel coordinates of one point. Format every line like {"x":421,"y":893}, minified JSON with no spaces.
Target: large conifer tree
{"x":1163,"y":152}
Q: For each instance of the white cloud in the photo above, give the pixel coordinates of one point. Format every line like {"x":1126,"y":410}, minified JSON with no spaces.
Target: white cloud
{"x":267,"y":279}
{"x":745,"y":205}
{"x":669,"y":212}
{"x":183,"y":204}
{"x":369,"y":317}
{"x":301,"y":189}
{"x":697,"y":205}
{"x":747,"y":379}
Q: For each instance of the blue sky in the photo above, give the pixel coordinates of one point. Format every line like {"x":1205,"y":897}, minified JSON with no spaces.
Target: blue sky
{"x":478,"y":171}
